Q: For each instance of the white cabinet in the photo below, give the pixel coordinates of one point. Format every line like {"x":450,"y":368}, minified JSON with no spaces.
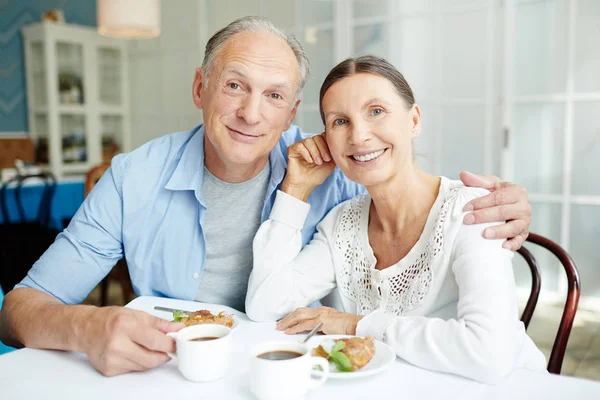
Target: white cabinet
{"x":77,"y":96}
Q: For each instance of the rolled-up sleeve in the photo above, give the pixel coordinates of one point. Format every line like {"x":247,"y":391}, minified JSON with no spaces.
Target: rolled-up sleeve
{"x":84,"y":253}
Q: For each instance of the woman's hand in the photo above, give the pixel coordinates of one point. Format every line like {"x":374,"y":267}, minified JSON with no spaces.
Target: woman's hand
{"x":305,"y":319}
{"x":309,"y":164}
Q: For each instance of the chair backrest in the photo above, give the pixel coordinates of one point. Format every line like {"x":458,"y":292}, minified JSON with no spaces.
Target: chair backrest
{"x":536,"y":285}
{"x":574,"y":290}
{"x":48,"y":183}
{"x":93,"y":176}
{"x":23,"y":241}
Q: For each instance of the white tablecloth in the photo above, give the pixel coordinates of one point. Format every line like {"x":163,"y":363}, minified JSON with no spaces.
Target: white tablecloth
{"x":44,"y":374}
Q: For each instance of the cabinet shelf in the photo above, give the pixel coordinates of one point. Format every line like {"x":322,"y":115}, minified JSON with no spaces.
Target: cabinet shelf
{"x":74,"y":168}
{"x":75,"y":109}
{"x":111,"y":110}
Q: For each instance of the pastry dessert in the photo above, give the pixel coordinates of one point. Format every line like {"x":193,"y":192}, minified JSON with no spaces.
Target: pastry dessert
{"x":203,"y":317}
{"x":347,"y":355}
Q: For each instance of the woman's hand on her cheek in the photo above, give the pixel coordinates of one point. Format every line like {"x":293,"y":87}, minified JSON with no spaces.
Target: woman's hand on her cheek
{"x":309,"y":164}
{"x":305,"y":319}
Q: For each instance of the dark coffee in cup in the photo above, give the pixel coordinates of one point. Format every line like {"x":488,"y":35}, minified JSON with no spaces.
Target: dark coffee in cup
{"x":203,"y":338}
{"x":278,"y":355}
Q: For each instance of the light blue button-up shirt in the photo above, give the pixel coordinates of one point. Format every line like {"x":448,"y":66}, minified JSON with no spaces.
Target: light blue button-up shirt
{"x":148,"y":207}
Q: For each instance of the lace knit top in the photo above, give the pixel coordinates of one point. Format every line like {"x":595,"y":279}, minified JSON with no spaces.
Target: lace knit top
{"x":448,"y":305}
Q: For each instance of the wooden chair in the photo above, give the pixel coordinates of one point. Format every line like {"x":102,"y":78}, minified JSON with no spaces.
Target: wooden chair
{"x":120,"y":272}
{"x":566,"y":323}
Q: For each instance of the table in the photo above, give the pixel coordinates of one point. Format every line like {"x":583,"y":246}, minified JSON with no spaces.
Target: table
{"x":44,"y":374}
{"x":67,"y":199}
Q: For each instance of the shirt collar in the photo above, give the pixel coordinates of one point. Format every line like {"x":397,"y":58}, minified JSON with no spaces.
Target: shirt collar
{"x":189,"y":172}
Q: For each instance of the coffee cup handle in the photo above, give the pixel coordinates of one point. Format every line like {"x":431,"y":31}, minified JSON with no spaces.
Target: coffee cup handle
{"x":174,"y":336}
{"x":320,"y":381}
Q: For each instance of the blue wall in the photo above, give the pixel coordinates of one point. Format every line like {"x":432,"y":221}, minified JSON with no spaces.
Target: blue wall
{"x":13,"y":15}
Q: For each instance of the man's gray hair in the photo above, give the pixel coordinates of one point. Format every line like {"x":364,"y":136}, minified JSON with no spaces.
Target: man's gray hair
{"x":254,"y":24}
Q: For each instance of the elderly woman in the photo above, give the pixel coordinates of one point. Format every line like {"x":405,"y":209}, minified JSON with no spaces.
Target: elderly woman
{"x":407,"y":270}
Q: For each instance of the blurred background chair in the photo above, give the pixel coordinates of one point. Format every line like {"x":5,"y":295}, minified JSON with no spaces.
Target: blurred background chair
{"x":120,"y":273}
{"x":574,"y":289}
{"x":24,"y":239}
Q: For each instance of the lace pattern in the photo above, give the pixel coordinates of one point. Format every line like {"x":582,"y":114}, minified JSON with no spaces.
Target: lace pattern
{"x":407,"y":289}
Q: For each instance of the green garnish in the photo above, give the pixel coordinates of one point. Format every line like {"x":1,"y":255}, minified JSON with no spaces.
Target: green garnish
{"x":177,"y":315}
{"x":339,"y":345}
{"x":340,"y":359}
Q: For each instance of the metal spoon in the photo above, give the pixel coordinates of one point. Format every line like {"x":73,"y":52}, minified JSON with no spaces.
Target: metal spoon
{"x":312,"y":333}
{"x":167,"y":309}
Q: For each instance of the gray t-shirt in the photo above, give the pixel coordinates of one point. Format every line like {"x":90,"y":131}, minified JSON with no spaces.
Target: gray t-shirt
{"x":233,"y":216}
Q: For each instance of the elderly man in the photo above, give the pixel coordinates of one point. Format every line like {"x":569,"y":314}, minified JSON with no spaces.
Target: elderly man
{"x":184,"y":208}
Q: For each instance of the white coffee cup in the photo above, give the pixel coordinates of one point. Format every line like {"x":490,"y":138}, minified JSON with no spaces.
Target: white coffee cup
{"x":203,"y":360}
{"x":288,"y":378}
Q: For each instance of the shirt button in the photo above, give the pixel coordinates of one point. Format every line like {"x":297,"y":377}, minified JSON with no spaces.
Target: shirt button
{"x":196,"y":275}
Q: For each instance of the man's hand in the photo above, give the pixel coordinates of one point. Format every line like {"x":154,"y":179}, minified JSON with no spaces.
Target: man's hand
{"x":507,"y":202}
{"x":119,"y":340}
{"x":309,"y":164}
{"x":305,"y":319}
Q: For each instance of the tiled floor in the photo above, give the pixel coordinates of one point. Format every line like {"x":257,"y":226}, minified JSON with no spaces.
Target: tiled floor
{"x":583,"y":351}
{"x":582,"y":358}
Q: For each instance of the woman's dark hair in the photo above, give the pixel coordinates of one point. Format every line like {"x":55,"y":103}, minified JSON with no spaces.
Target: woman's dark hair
{"x":370,"y":65}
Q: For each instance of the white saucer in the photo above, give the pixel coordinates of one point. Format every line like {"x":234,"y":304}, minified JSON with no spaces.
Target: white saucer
{"x":384,"y":357}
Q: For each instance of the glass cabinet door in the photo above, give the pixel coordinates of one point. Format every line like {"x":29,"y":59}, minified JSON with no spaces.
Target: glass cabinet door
{"x":38,"y":75}
{"x":539,"y":126}
{"x":109,"y":76}
{"x":111,"y":133}
{"x":73,"y":136}
{"x":318,"y":44}
{"x":39,"y":131}
{"x":317,"y":12}
{"x":69,"y":59}
{"x":316,"y":33}
{"x":587,"y":55}
{"x":554,"y":129}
